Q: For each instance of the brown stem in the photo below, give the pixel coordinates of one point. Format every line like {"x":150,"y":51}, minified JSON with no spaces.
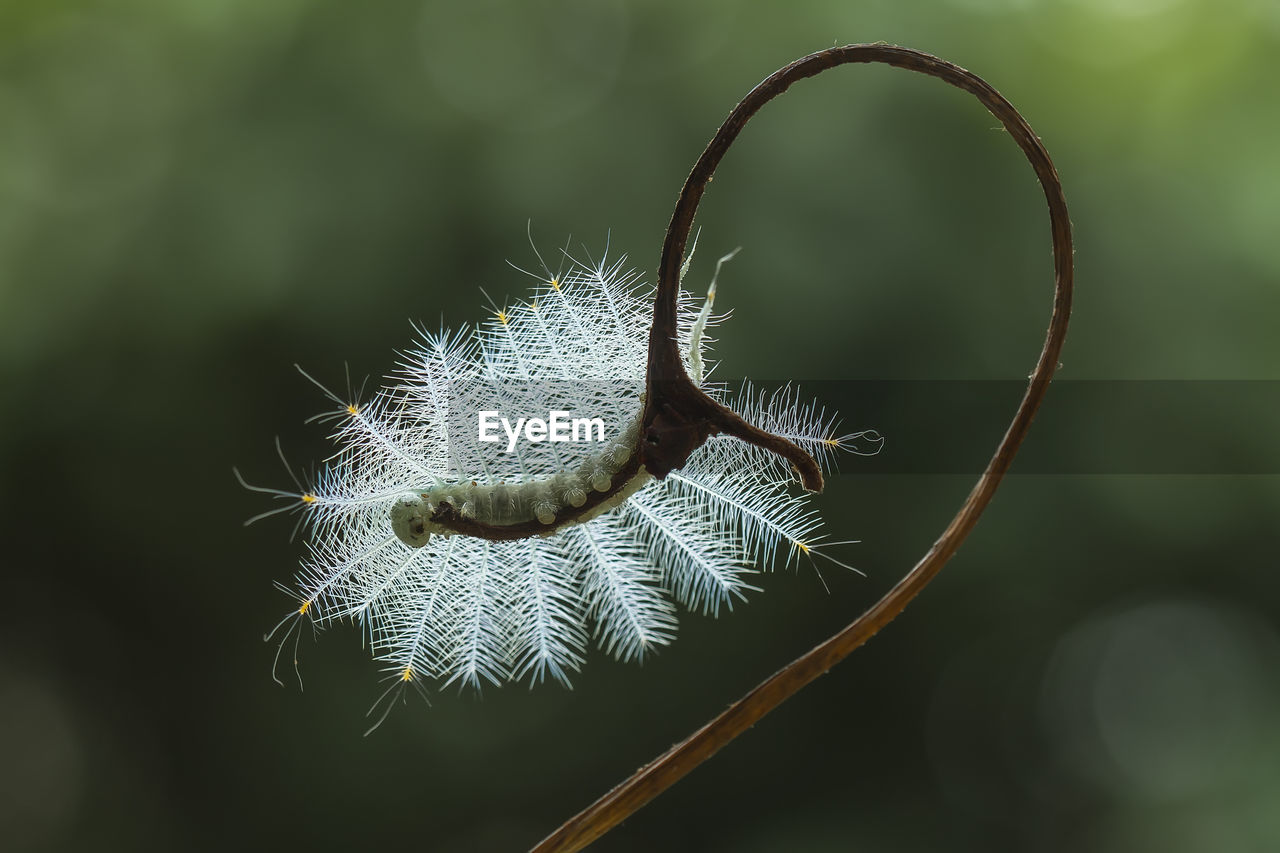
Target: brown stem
{"x":655,"y":777}
{"x":679,"y":417}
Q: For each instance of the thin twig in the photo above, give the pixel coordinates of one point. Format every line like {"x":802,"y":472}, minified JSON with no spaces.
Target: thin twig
{"x":664,"y":771}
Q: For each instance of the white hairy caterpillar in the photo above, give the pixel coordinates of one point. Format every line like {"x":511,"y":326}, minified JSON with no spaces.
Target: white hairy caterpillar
{"x":466,"y":563}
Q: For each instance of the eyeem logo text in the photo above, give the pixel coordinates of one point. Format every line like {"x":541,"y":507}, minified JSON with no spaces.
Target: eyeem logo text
{"x":559,"y":426}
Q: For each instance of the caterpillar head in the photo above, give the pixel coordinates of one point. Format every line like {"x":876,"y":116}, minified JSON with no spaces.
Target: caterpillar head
{"x":411,"y":520}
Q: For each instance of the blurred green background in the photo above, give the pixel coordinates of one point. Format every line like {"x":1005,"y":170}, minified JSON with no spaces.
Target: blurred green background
{"x":195,"y":194}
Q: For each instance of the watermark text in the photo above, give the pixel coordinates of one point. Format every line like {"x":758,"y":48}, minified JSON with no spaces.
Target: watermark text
{"x":558,"y":426}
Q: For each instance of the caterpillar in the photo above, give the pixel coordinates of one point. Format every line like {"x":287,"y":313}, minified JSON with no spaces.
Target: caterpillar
{"x":464,"y":562}
{"x":596,"y":484}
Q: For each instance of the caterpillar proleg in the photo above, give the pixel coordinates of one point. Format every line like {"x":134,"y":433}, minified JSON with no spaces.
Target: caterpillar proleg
{"x":466,"y":562}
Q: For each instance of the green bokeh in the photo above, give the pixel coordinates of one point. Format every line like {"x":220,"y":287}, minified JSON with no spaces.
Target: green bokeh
{"x":196,"y":194}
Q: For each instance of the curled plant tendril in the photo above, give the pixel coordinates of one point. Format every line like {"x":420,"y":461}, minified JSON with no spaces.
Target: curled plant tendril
{"x":678,"y":417}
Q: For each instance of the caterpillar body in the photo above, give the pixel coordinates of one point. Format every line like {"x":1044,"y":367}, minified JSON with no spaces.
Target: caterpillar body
{"x":532,"y":508}
{"x":466,"y":563}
